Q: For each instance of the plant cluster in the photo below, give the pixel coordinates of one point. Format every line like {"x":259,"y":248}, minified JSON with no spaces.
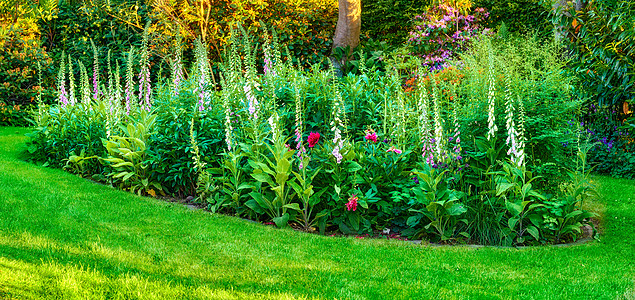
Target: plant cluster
{"x":614,"y":144}
{"x":303,"y":147}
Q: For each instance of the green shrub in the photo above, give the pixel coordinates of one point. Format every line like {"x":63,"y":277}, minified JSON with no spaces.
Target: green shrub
{"x":519,"y":16}
{"x":389,"y":20}
{"x":601,"y":37}
{"x":21,"y":52}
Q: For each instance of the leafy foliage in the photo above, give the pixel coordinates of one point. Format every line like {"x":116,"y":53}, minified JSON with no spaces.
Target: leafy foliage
{"x":519,"y":16}
{"x":386,"y":20}
{"x":601,"y":36}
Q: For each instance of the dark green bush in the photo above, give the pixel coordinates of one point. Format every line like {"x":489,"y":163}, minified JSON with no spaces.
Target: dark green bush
{"x":390,"y":20}
{"x":601,"y":39}
{"x":520,"y":16}
{"x":613,"y":152}
{"x":170,"y":149}
{"x":21,"y":52}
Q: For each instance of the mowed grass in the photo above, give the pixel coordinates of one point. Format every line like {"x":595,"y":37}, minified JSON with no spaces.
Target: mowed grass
{"x":62,"y":236}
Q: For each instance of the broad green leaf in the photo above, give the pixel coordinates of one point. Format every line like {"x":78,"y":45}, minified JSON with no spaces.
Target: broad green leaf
{"x":514,"y":208}
{"x":281,"y":221}
{"x":253,"y":204}
{"x":294,"y":206}
{"x":534,"y":232}
{"x":352,"y":166}
{"x":456,"y":209}
{"x":503,"y":187}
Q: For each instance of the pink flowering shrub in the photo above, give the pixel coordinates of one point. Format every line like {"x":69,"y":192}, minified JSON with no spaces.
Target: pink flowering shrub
{"x":442,"y":32}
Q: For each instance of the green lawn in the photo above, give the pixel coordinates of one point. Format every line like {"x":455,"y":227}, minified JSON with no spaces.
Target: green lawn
{"x":62,"y":236}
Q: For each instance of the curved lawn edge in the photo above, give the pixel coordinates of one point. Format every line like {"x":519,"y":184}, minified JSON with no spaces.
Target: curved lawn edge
{"x":54,"y":223}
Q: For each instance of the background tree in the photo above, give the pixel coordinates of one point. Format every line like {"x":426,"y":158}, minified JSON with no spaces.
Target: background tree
{"x":347,"y":31}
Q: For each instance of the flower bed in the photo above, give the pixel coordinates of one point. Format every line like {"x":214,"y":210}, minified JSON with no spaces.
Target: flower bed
{"x":451,"y":158}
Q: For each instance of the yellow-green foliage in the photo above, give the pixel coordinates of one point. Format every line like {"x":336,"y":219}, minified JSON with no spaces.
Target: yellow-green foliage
{"x":304,"y":26}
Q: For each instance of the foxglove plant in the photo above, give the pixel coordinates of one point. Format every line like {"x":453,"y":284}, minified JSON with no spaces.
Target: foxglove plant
{"x":145,"y":89}
{"x":401,"y":122}
{"x":299,"y":126}
{"x":276,"y":131}
{"x":202,"y":63}
{"x":177,"y":69}
{"x":269,"y":68}
{"x":84,"y":86}
{"x":424,"y":127}
{"x":117,"y":90}
{"x":71,"y":81}
{"x":129,"y":92}
{"x":95,"y":71}
{"x":491,"y":102}
{"x":338,"y":121}
{"x":252,"y":101}
{"x":456,"y":137}
{"x":226,"y":94}
{"x":514,"y":140}
{"x":111,"y":85}
{"x":439,"y":141}
{"x":61,"y":83}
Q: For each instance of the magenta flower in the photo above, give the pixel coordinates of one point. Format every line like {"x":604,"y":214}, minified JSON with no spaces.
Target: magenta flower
{"x":352,"y":203}
{"x":371,"y":135}
{"x":314,"y":138}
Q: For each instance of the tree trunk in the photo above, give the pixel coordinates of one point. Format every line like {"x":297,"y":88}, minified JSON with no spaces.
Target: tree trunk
{"x":348,"y":28}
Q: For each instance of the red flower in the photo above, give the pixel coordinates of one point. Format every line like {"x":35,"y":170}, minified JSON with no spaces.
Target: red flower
{"x":352,"y":203}
{"x":314,"y":138}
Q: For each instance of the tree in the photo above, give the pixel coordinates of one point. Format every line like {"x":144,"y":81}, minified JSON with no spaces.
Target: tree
{"x":348,"y":27}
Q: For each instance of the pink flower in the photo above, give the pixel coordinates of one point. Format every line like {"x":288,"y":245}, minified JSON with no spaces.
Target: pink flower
{"x":352,"y":203}
{"x":393,"y":149}
{"x":314,"y":138}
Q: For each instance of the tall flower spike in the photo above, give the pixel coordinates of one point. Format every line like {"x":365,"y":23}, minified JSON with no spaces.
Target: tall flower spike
{"x":129,"y":92}
{"x":71,"y":82}
{"x":438,"y":125}
{"x":269,"y":68}
{"x":520,"y":132}
{"x":84,"y":86}
{"x":516,"y":151}
{"x":177,"y":68}
{"x":117,"y":89}
{"x":145,"y":89}
{"x":111,"y":86}
{"x":228,"y":113}
{"x":202,"y":64}
{"x":95,"y":71}
{"x":252,"y":101}
{"x":424,"y":125}
{"x":61,"y":83}
{"x":299,"y":127}
{"x":457,"y":134}
{"x":337,"y":123}
{"x":509,"y":117}
{"x":491,"y":102}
